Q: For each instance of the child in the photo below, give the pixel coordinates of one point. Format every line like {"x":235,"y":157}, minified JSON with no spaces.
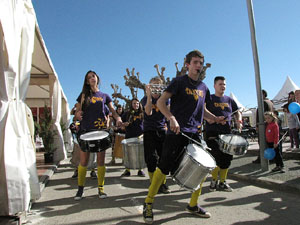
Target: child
{"x":272,"y":136}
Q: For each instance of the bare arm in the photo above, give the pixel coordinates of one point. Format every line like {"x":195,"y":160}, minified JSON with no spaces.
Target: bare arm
{"x":165,"y":110}
{"x":148,"y":106}
{"x":115,"y":114}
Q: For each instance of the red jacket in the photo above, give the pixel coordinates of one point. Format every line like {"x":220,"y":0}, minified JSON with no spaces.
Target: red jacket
{"x":272,"y":133}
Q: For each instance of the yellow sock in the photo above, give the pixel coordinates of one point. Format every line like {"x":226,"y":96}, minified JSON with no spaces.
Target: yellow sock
{"x":158,"y":178}
{"x":196,"y":194}
{"x":150,"y":176}
{"x":101,"y":175}
{"x":215,"y":173}
{"x":223,"y":174}
{"x":165,"y":180}
{"x":81,"y":175}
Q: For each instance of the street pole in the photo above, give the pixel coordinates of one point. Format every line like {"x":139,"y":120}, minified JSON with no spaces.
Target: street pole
{"x":261,"y":126}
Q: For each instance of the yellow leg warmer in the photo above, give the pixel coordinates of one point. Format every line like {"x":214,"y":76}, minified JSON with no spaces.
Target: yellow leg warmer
{"x":101,"y":175}
{"x":158,"y":178}
{"x":223,"y":174}
{"x":215,"y":173}
{"x":196,"y":194}
{"x":150,"y":176}
{"x":81,"y":175}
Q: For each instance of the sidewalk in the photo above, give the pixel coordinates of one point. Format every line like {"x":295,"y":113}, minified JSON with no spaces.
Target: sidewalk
{"x":241,"y":168}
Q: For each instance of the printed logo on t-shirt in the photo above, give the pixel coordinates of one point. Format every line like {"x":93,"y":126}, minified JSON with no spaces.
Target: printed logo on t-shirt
{"x":137,"y":117}
{"x":195,"y":92}
{"x":95,"y":99}
{"x":99,"y":123}
{"x":155,"y":107}
{"x":221,"y":105}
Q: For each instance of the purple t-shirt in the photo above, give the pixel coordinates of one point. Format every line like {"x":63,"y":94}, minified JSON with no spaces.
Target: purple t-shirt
{"x":157,"y":120}
{"x":135,"y":127}
{"x":221,"y":106}
{"x":187,"y":102}
{"x":95,"y":114}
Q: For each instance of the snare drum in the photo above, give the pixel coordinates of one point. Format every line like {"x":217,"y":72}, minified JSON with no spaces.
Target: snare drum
{"x":195,"y":165}
{"x":95,"y":141}
{"x":133,"y":153}
{"x":233,"y":144}
{"x":118,"y":151}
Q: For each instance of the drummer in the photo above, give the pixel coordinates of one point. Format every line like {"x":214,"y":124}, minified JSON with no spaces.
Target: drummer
{"x":220,"y":105}
{"x":133,"y":122}
{"x":90,"y":111}
{"x":188,"y":95}
{"x":117,"y":130}
{"x":154,"y":129}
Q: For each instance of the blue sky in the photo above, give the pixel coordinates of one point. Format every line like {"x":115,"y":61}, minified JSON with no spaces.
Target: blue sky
{"x":108,"y":36}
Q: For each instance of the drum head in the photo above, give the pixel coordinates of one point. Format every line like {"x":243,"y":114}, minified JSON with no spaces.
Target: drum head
{"x":94,"y":135}
{"x":233,"y":139}
{"x":132,"y":141}
{"x":201,"y":155}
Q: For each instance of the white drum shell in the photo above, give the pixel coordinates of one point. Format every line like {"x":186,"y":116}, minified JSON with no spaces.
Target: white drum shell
{"x":133,"y":153}
{"x":233,"y":144}
{"x":192,"y":170}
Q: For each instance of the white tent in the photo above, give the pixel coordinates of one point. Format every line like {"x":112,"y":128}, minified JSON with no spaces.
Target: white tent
{"x":22,"y":53}
{"x":245,"y":112}
{"x":283,"y":93}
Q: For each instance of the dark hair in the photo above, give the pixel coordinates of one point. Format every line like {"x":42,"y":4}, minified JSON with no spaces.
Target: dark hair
{"x":217,"y":78}
{"x":132,"y":111}
{"x":86,"y":89}
{"x":265,"y":94}
{"x":194,"y":53}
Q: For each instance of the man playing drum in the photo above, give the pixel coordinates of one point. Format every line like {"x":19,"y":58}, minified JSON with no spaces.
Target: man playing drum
{"x":154,"y":129}
{"x":188,"y":95}
{"x":220,"y":105}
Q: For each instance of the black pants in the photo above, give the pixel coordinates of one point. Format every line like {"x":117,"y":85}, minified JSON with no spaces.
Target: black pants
{"x":173,"y":151}
{"x":223,"y":160}
{"x":278,"y":155}
{"x":153,"y":144}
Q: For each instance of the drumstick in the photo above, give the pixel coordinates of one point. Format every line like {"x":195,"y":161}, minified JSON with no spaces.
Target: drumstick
{"x":183,"y":134}
{"x":231,"y":113}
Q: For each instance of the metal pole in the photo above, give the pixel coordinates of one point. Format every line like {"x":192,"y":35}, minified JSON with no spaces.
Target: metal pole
{"x":261,"y":126}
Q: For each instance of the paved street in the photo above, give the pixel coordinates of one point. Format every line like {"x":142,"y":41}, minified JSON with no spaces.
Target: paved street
{"x":246,"y":205}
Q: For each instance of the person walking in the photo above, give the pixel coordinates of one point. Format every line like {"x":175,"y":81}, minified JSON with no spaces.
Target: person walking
{"x":188,"y":95}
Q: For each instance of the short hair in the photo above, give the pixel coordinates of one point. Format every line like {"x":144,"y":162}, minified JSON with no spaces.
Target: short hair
{"x":264,"y":92}
{"x":157,"y":78}
{"x":194,"y":53}
{"x":217,"y":78}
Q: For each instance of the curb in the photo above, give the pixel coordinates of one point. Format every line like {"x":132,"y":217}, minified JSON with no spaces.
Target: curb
{"x":266,"y":183}
{"x":47,"y":175}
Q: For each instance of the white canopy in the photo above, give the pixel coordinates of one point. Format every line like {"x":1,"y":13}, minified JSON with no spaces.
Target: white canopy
{"x":22,"y":53}
{"x":283,"y":93}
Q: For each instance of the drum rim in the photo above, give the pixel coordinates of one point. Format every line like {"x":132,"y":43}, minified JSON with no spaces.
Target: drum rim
{"x":221,"y":140}
{"x":186,"y":149}
{"x":96,"y":131}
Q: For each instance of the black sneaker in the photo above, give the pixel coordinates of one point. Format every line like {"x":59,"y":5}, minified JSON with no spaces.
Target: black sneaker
{"x":126,"y":173}
{"x":141,"y":173}
{"x":276,"y":169}
{"x":79,"y":194}
{"x":164,"y":189}
{"x":148,"y":213}
{"x":75,"y":174}
{"x":213,"y":185}
{"x":223,"y":186}
{"x":101,"y":194}
{"x":199,"y":211}
{"x":93,"y":174}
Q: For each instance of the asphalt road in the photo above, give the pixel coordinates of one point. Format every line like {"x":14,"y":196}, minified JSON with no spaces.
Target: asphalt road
{"x":247,"y":204}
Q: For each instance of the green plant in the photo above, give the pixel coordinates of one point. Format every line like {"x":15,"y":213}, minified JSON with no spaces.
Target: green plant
{"x":45,"y":130}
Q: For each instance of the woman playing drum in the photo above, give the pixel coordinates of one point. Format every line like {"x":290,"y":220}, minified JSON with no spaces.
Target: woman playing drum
{"x":90,"y":111}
